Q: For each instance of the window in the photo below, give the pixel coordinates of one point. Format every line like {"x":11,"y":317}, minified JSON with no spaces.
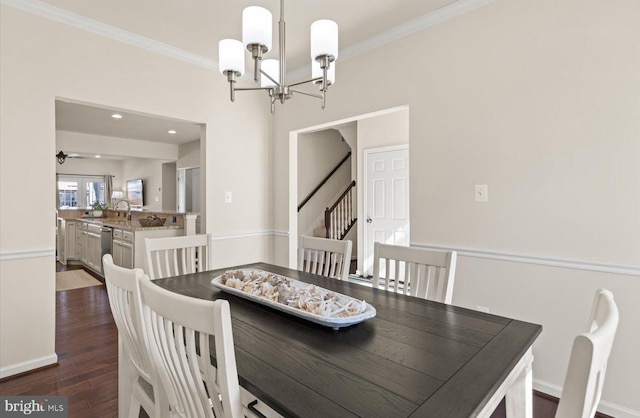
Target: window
{"x":79,"y":191}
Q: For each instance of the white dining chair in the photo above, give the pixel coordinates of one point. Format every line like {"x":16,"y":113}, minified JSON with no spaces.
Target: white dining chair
{"x":173,"y":256}
{"x":177,"y":326}
{"x":122,"y":288}
{"x":419,"y":272}
{"x":588,"y":362}
{"x":325,"y":257}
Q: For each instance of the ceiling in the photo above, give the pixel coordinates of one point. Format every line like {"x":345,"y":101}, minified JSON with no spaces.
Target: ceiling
{"x":196,"y":26}
{"x":95,"y":120}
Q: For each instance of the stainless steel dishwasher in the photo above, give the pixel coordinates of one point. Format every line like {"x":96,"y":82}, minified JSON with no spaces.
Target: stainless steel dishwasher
{"x":106,"y":241}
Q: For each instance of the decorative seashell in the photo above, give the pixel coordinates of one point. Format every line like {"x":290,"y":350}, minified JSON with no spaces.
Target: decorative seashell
{"x":306,"y":297}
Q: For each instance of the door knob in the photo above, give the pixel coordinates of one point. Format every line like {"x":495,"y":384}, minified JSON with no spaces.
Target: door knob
{"x":369,"y":220}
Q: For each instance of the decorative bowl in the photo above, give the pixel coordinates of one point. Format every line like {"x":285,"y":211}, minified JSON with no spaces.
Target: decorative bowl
{"x":152,"y":221}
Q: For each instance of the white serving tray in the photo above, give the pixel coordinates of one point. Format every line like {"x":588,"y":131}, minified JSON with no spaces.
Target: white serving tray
{"x":334,"y":323}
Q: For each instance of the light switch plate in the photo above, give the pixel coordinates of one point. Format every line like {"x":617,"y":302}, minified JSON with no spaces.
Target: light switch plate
{"x":481,"y":192}
{"x":227,"y":197}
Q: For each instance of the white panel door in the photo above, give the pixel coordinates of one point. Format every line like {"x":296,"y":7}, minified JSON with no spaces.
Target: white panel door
{"x":386,"y":209}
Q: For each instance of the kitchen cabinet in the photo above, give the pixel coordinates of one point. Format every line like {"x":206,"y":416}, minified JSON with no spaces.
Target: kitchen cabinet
{"x":122,"y":251}
{"x":81,"y":242}
{"x":94,"y":250}
{"x":127,"y":242}
{"x":61,"y":233}
{"x":70,"y":240}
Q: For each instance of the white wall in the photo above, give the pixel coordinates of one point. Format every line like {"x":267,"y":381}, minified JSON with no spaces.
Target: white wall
{"x":318,"y":154}
{"x":349,"y":132}
{"x":169,"y":186}
{"x":379,"y":131}
{"x":94,"y":167}
{"x":189,"y":154}
{"x":150,"y":171}
{"x":42,"y":59}
{"x":539,"y":100}
{"x":108,"y":145}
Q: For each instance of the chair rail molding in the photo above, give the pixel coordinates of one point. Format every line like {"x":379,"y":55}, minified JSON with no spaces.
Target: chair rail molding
{"x":277,"y":233}
{"x":20,"y":254}
{"x":532,"y":259}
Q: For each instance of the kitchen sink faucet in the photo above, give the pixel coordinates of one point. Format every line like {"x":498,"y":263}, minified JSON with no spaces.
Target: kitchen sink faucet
{"x":128,"y":207}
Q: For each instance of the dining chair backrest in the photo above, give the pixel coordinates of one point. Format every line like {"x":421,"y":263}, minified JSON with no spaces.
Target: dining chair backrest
{"x":173,"y":256}
{"x":325,"y":257}
{"x":427,"y":274}
{"x":588,"y":362}
{"x":179,"y":326}
{"x":122,"y":291}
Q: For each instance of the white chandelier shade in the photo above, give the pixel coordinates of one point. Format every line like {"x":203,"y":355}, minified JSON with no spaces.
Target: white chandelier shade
{"x":324,"y":39}
{"x":271,"y":73}
{"x":231,"y":56}
{"x":271,"y":67}
{"x":257,"y":27}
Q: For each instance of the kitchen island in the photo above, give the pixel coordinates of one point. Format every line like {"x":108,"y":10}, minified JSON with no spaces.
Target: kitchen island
{"x":85,"y":239}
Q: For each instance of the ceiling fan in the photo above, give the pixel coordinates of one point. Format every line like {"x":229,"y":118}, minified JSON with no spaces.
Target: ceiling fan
{"x":61,"y":156}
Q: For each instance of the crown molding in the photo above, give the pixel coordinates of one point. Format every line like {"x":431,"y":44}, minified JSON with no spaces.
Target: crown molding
{"x":418,"y":24}
{"x":102,"y":29}
{"x":58,"y":14}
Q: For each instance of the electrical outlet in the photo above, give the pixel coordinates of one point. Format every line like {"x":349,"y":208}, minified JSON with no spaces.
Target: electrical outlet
{"x":227,"y":197}
{"x":482,"y":309}
{"x":481,"y":193}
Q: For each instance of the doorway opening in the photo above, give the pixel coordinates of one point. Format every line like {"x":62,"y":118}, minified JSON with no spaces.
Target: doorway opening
{"x":362,"y":134}
{"x":100,"y":150}
{"x":189,"y":195}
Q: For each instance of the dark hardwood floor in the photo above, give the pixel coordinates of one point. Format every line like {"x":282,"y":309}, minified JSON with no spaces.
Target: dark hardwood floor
{"x":86,"y":344}
{"x":87,"y":370}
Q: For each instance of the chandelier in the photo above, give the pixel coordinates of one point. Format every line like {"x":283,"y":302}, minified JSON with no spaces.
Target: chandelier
{"x":256,"y":38}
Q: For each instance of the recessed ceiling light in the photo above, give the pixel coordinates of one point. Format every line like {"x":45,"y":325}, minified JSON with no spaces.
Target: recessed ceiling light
{"x":98,"y":156}
{"x":172,"y":132}
{"x":116,"y":116}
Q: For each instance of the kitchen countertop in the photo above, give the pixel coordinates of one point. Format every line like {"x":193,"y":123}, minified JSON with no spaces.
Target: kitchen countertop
{"x":128,"y":225}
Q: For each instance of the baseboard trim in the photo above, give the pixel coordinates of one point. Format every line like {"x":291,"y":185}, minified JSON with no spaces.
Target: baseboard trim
{"x":544,"y":261}
{"x":607,"y":408}
{"x":28,"y":366}
{"x":17,"y":255}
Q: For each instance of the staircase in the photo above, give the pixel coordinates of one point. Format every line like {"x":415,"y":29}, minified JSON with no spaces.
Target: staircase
{"x":339,"y":218}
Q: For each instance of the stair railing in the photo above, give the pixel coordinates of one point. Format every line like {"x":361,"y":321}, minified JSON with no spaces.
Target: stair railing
{"x":322,"y":183}
{"x":340,"y":217}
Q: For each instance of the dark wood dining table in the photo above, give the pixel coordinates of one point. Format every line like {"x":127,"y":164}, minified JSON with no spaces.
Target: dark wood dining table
{"x":415,"y":358}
